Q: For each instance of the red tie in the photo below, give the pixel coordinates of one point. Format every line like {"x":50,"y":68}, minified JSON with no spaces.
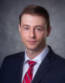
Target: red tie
{"x":28,"y":75}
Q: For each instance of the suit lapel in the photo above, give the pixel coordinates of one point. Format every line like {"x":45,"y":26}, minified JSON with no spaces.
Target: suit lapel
{"x":20,"y":67}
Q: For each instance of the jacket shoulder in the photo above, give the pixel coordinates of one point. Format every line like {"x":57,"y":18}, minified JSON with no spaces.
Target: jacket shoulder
{"x":56,"y":59}
{"x":13,"y":58}
{"x":15,"y":55}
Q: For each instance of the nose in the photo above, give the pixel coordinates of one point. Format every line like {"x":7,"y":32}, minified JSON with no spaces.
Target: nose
{"x":32,"y":33}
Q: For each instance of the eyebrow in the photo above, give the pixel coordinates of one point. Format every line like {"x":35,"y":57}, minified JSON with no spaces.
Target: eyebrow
{"x":33,"y":26}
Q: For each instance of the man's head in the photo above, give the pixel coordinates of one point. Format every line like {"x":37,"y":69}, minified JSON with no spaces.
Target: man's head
{"x":35,"y":10}
{"x":34,"y":27}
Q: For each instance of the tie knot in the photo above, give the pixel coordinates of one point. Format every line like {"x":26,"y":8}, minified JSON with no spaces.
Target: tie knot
{"x":31,"y":63}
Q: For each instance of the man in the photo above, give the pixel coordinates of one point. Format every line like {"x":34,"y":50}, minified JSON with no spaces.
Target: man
{"x":34,"y":28}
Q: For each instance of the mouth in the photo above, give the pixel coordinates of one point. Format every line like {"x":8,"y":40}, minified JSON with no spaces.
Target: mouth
{"x":32,"y":42}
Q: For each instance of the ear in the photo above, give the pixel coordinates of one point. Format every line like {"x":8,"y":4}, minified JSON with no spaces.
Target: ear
{"x":19,"y":27}
{"x":48,"y":31}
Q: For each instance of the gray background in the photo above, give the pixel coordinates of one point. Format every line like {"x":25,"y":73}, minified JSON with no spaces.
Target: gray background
{"x":10,"y":41}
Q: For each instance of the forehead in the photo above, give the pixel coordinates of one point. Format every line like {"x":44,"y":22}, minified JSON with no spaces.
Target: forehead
{"x":32,"y":19}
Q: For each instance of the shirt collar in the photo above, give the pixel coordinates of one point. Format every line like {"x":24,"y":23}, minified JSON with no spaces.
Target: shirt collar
{"x":38,"y":58}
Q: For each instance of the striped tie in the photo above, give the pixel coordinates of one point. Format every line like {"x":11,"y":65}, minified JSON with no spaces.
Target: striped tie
{"x":28,"y":75}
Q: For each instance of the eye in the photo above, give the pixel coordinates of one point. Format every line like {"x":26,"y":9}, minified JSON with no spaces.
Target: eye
{"x":39,"y":28}
{"x":26,"y":27}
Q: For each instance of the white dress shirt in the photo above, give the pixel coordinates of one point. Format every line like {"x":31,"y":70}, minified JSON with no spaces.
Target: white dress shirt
{"x":38,"y":59}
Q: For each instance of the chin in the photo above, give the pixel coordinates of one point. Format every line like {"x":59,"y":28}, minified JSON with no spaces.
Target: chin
{"x":31,"y":48}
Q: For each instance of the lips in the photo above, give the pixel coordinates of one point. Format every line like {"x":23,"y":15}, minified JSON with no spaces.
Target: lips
{"x":32,"y":42}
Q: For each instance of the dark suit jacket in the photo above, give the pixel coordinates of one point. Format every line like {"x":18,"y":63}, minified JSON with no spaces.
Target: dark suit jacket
{"x":51,"y":70}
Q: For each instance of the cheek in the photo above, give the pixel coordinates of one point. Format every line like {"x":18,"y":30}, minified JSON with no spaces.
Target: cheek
{"x":41,"y":36}
{"x":24,"y":36}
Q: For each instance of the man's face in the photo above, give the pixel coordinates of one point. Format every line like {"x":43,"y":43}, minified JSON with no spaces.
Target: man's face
{"x":33,"y":31}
